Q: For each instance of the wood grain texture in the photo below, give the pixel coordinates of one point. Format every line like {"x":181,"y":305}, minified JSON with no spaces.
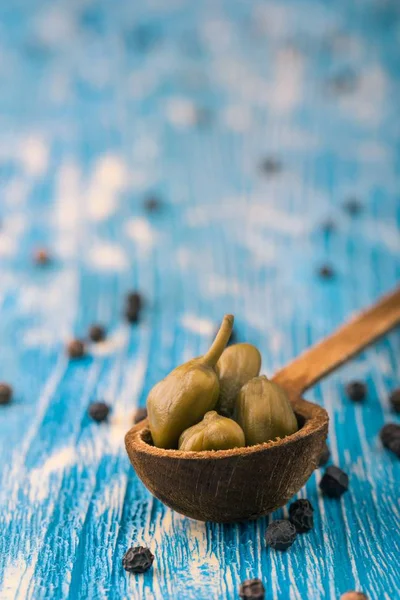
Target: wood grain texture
{"x":350,"y":339}
{"x":97,"y":108}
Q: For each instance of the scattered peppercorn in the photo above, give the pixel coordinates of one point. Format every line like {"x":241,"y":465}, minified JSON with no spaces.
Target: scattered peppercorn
{"x":271,"y":166}
{"x":137,"y":560}
{"x":356,"y":391}
{"x":97,"y":333}
{"x":334,"y":482}
{"x":353,"y":596}
{"x":353,"y":207}
{"x":394,"y":400}
{"x":390,"y":437}
{"x":325,"y":456}
{"x":395,"y":446}
{"x":6,"y":393}
{"x":301,"y":515}
{"x":76,"y":349}
{"x":344,"y":82}
{"x":328,"y":226}
{"x":134,"y":300}
{"x":280,"y":535}
{"x":41,"y":256}
{"x":152,"y":204}
{"x":140,"y":415}
{"x":252,"y":589}
{"x":99,"y":411}
{"x":326,"y":272}
{"x":132,"y":314}
{"x":133,"y":306}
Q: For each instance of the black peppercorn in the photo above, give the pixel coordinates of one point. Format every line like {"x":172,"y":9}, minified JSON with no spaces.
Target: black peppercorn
{"x":133,"y":306}
{"x":394,"y":446}
{"x":389,"y":432}
{"x":140,"y":415}
{"x":99,"y":411}
{"x":252,"y":589}
{"x":41,"y":256}
{"x":324,"y":456}
{"x":76,"y":349}
{"x":134,"y":300}
{"x":390,"y":437}
{"x":344,"y":82}
{"x":353,"y":207}
{"x":152,"y":204}
{"x":6,"y":393}
{"x":328,"y":226}
{"x":334,"y":482}
{"x":356,"y":391}
{"x":280,"y":535}
{"x":132,"y":314}
{"x":394,"y":400}
{"x":326,"y":272}
{"x":97,"y":333}
{"x":271,"y":166}
{"x":301,"y":515}
{"x":137,"y":560}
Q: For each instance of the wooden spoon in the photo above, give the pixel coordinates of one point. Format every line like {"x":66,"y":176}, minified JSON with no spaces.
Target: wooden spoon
{"x":246,"y":483}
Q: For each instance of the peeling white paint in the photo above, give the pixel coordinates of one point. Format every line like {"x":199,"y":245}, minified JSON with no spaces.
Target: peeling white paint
{"x":55,"y":25}
{"x":198,"y":325}
{"x":36,"y":337}
{"x":237,"y":118}
{"x":39,"y":477}
{"x":141,"y":232}
{"x":34,"y":155}
{"x":114,"y":342}
{"x":104,"y":256}
{"x":7,"y":244}
{"x":17,"y":578}
{"x":109,"y":178}
{"x":111,"y":172}
{"x":181,"y":112}
{"x":286,"y":87}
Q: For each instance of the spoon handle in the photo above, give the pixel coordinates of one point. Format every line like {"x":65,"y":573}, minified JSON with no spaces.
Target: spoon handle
{"x":345,"y":342}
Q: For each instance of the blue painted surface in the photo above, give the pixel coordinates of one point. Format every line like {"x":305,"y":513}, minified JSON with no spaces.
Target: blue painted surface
{"x":102,"y":103}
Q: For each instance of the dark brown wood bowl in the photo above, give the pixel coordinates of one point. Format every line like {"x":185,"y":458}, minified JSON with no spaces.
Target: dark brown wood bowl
{"x":231,"y":485}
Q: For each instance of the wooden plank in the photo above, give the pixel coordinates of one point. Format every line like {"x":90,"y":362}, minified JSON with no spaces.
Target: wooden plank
{"x":92,"y":119}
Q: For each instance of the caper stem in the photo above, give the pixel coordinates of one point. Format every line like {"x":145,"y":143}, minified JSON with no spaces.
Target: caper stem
{"x":222,"y":338}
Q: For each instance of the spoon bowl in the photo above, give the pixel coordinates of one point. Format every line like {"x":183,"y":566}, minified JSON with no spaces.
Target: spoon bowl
{"x":246,"y":483}
{"x":231,"y":485}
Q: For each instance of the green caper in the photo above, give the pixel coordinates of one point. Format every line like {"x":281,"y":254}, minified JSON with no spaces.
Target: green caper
{"x":214,"y":432}
{"x":264,"y":412}
{"x":238,"y":364}
{"x":187,"y":393}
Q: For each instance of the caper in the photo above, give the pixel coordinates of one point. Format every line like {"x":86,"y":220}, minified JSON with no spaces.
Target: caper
{"x":214,"y":432}
{"x":264,"y":412}
{"x":187,"y":393}
{"x":238,"y":364}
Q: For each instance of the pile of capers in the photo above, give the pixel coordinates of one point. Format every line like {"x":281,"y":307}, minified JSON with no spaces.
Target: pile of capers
{"x":219,"y":401}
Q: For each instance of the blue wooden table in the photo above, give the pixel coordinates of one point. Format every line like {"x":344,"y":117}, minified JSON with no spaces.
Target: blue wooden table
{"x":254,"y":123}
